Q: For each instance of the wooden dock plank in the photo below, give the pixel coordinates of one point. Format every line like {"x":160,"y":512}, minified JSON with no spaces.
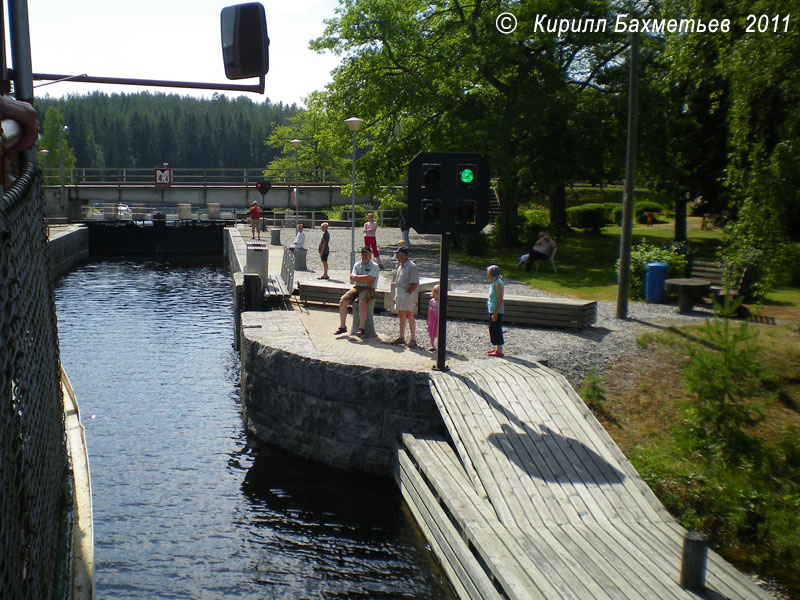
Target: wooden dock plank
{"x":519,"y":577}
{"x":500,"y":472}
{"x":541,"y":496}
{"x":462,"y":568}
{"x":466,"y":461}
{"x":473,"y":445}
{"x":597,"y":474}
{"x":533,"y":490}
{"x":633,"y":495}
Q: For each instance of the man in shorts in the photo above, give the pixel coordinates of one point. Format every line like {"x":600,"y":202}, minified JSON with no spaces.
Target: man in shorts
{"x":364,"y":276}
{"x":405,"y":284}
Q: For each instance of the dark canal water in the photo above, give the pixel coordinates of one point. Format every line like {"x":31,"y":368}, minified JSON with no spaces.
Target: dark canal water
{"x":183,"y":506}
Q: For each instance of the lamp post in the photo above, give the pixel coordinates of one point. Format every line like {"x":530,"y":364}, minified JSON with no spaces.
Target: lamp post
{"x":353,"y":124}
{"x":62,"y":131}
{"x":295,"y":144}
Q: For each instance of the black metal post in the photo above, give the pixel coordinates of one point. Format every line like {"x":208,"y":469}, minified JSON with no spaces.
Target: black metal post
{"x":444,"y":261}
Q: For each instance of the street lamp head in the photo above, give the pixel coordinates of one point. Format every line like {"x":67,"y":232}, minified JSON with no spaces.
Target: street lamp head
{"x":296,"y":143}
{"x":65,"y":128}
{"x":353,"y":123}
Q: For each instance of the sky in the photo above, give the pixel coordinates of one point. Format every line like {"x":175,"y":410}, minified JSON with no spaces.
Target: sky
{"x":175,"y":40}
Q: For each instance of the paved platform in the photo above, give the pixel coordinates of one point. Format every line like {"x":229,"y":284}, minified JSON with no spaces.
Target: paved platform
{"x":320,"y":322}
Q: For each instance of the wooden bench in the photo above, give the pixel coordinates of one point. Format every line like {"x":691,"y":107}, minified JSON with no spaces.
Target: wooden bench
{"x":520,"y":310}
{"x":715,"y":273}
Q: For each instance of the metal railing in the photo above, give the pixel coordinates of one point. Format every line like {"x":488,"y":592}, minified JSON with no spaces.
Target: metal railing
{"x":145,"y":176}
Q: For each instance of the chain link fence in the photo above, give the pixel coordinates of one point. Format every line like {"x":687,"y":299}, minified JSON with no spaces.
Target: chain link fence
{"x":33,"y":460}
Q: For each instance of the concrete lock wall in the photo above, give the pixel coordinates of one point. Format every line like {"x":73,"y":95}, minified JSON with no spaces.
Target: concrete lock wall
{"x":67,"y":247}
{"x":327,"y":408}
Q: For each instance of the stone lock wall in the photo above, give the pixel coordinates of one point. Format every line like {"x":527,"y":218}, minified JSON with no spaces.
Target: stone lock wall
{"x":327,"y":408}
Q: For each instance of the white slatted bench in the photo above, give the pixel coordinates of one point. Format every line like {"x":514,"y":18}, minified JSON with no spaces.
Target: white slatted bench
{"x":520,"y":310}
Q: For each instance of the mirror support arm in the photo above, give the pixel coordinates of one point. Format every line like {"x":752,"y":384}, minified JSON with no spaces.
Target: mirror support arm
{"x":227,"y":87}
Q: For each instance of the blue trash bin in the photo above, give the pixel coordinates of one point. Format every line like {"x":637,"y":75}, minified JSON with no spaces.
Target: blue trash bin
{"x":654,"y":282}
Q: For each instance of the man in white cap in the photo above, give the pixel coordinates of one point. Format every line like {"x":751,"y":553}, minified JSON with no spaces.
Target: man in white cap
{"x":405,"y":284}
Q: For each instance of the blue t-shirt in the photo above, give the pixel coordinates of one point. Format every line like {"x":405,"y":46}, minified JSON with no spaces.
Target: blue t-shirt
{"x":493,"y":300}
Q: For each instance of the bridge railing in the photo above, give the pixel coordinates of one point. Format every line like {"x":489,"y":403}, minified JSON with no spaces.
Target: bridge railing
{"x":145,"y":176}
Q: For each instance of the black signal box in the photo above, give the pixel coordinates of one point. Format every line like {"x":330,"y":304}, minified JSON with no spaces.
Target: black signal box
{"x":263,"y":187}
{"x":448,"y":192}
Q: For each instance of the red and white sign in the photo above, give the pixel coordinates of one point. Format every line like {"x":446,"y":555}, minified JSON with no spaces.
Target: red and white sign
{"x":163,"y":176}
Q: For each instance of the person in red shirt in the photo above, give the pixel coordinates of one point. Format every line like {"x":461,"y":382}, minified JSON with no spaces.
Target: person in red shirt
{"x":255,"y":217}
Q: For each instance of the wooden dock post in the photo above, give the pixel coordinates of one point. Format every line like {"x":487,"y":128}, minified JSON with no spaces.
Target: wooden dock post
{"x":693,"y":561}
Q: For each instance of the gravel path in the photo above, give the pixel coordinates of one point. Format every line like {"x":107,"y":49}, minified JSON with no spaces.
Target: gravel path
{"x":572,"y":353}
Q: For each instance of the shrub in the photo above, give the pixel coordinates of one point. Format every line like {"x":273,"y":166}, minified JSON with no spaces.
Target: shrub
{"x":616,"y":215}
{"x":396,"y":206}
{"x":532,"y":221}
{"x":646,"y":253}
{"x":361,"y":213}
{"x":591,"y":217}
{"x":640,"y":210}
{"x":750,"y":261}
{"x":724,"y":380}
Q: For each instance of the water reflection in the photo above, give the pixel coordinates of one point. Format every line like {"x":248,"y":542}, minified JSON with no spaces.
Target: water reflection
{"x":183,"y":507}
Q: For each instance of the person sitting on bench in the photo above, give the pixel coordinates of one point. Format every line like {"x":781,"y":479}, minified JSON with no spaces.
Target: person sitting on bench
{"x":541,"y":251}
{"x":299,"y":239}
{"x":364,"y":276}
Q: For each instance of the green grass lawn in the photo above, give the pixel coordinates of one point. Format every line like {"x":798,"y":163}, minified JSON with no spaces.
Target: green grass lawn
{"x":587,"y":263}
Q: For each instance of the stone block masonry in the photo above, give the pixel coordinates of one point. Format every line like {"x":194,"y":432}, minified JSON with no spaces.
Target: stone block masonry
{"x":333,"y":409}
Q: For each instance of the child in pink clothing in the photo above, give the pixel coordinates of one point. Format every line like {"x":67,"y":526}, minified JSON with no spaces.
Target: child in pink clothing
{"x":433,"y":317}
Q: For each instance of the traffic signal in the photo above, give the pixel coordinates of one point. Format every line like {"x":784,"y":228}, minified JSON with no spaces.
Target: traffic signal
{"x":263,"y":187}
{"x":448,"y":192}
{"x":466,"y":175}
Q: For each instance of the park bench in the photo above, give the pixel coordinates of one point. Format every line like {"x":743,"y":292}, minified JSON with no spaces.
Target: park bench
{"x":715,"y":273}
{"x":520,"y":310}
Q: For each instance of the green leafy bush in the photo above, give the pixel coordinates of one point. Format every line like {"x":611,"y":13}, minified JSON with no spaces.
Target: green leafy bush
{"x":724,"y":380}
{"x":394,"y":209}
{"x":590,"y":217}
{"x":640,"y":210}
{"x":646,"y":253}
{"x":532,"y":221}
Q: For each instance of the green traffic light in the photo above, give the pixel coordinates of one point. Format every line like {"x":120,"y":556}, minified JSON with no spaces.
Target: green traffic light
{"x":467,"y":175}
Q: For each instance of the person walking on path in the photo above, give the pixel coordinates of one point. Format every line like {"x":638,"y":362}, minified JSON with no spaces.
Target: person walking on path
{"x":405,"y":284}
{"x":496,"y":310}
{"x":364,"y":277}
{"x":433,"y":317}
{"x":370,"y":239}
{"x":405,"y":228}
{"x":255,"y":218}
{"x":324,"y":249}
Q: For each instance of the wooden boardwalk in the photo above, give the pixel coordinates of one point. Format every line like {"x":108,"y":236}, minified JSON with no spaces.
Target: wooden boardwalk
{"x":531,"y":498}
